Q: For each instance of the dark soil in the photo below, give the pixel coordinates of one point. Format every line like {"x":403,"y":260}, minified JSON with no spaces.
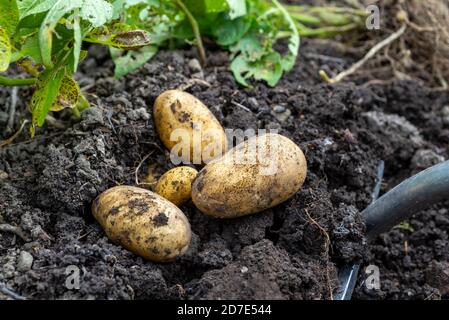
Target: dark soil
{"x":292,"y":251}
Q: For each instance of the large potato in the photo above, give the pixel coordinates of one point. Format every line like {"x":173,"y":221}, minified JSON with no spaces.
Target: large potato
{"x":244,"y":181}
{"x":176,"y":184}
{"x":188,"y":128}
{"x":143,"y":222}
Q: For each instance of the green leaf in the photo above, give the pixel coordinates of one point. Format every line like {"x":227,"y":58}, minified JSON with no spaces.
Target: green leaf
{"x":268,"y":69}
{"x":131,"y":60}
{"x":60,"y":8}
{"x":130,"y":39}
{"x":47,"y":88}
{"x":215,"y":6}
{"x":289,"y":60}
{"x":250,"y":47}
{"x":5,"y":50}
{"x":68,"y":95}
{"x":29,"y":49}
{"x":77,"y":42}
{"x":237,"y":8}
{"x":31,"y":21}
{"x":133,"y":39}
{"x":97,"y":12}
{"x":202,"y":7}
{"x":406,"y":226}
{"x":117,"y":8}
{"x":28,"y":66}
{"x":229,"y":32}
{"x":32,"y":7}
{"x":9,"y":16}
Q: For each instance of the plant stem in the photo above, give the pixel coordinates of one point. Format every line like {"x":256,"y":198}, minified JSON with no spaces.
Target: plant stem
{"x":76,"y":113}
{"x":325,"y":22}
{"x":317,"y":10}
{"x":196,"y":30}
{"x":324,"y":32}
{"x":5,"y":81}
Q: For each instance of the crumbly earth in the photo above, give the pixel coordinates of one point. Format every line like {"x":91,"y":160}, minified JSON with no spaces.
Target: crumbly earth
{"x":291,"y":251}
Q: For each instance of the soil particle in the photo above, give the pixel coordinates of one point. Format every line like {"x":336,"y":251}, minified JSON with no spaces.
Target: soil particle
{"x":139,"y":206}
{"x":114,"y":210}
{"x":215,"y":255}
{"x":425,"y":158}
{"x":25,"y":261}
{"x":437,"y":275}
{"x":160,"y":220}
{"x":261,"y":271}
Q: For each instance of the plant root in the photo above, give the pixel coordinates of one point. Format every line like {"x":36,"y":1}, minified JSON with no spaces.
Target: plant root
{"x":374,"y":50}
{"x":327,"y":245}
{"x":136,"y":172}
{"x":14,"y":136}
{"x":420,"y":54}
{"x":12,"y":110}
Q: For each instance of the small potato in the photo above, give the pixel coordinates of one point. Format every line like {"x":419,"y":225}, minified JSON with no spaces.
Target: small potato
{"x":188,"y":128}
{"x":143,"y":222}
{"x":176,"y":184}
{"x":256,"y":175}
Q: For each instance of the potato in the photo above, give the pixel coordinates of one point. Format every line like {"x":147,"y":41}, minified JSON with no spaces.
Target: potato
{"x":176,"y":184}
{"x":188,"y":128}
{"x":143,"y":222}
{"x":243,"y":182}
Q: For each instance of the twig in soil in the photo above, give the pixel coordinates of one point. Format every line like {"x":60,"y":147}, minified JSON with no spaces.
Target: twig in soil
{"x":16,"y":230}
{"x":88,"y":87}
{"x":10,"y":293}
{"x":12,"y":109}
{"x":326,"y":251}
{"x":240,"y":106}
{"x":192,"y":82}
{"x":374,"y":50}
{"x":431,"y":296}
{"x":84,"y":235}
{"x":324,"y":57}
{"x":155,"y":145}
{"x":53,"y":122}
{"x":109,"y":117}
{"x":196,"y":31}
{"x":14,"y":136}
{"x":376,"y":82}
{"x":136,"y":172}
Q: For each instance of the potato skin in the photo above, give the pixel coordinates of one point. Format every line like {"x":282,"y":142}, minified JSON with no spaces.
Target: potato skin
{"x":143,"y":222}
{"x":226,"y":189}
{"x":175,"y":109}
{"x":176,"y":184}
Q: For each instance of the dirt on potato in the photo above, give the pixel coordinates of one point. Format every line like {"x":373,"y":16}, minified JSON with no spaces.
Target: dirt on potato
{"x":292,"y":251}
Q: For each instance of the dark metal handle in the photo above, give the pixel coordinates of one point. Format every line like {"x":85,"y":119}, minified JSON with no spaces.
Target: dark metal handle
{"x":414,"y":194}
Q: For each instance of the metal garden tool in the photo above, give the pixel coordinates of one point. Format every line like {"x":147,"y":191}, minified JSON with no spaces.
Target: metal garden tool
{"x":426,"y":188}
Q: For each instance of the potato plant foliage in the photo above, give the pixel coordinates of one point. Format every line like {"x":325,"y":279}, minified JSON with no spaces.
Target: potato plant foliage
{"x":248,"y":29}
{"x":44,"y":39}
